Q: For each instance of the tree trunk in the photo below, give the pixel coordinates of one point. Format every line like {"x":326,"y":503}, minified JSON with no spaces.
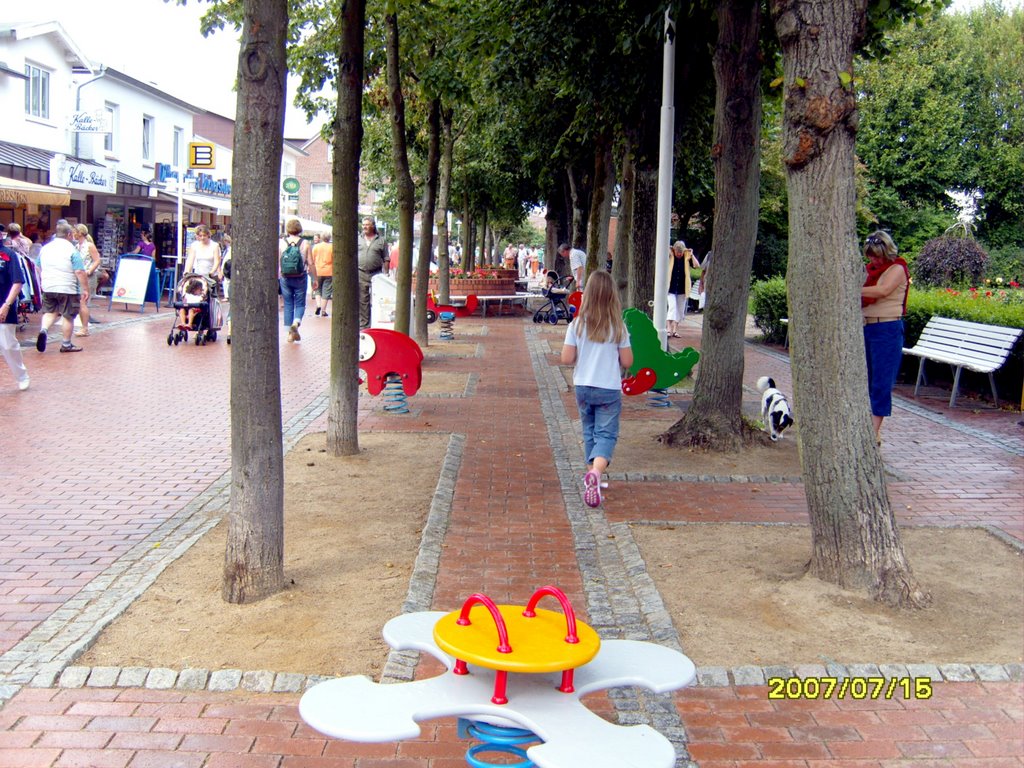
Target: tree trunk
{"x":556,"y":228}
{"x":715,"y":418}
{"x":482,"y":260}
{"x":580,"y":190}
{"x":404,"y":191}
{"x":642,"y":237}
{"x":343,"y":407}
{"x":254,"y":555}
{"x":855,"y":542}
{"x":444,"y":189}
{"x":427,"y":220}
{"x":600,"y":204}
{"x":624,"y":226}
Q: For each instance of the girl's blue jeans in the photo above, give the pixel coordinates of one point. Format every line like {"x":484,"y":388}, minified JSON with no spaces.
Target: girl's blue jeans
{"x":293,"y":291}
{"x":599,"y":414}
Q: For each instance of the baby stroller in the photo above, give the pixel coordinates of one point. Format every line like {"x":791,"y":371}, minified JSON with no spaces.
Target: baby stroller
{"x":556,"y":291}
{"x":199,"y":293}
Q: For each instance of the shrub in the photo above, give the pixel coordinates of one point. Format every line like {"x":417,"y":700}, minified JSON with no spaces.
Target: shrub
{"x":768,"y":305}
{"x":949,"y":261}
{"x":1006,"y":262}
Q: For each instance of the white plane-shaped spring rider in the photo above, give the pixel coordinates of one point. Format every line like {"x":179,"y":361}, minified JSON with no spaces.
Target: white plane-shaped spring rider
{"x":555,"y":659}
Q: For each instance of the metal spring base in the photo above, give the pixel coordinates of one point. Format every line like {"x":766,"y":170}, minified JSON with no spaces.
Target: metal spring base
{"x":497,"y":740}
{"x":447,"y":325}
{"x":395,"y":399}
{"x":658,"y":398}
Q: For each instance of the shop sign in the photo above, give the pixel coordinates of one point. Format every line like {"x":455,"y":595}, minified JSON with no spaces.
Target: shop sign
{"x":201,"y":155}
{"x":290,"y":185}
{"x":90,"y":122}
{"x":65,"y":172}
{"x":202,"y":182}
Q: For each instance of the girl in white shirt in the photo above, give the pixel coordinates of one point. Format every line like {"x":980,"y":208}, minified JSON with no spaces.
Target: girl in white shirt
{"x":598,"y":343}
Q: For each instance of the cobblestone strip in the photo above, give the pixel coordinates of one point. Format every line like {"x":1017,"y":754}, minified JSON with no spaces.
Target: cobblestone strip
{"x":619,"y":603}
{"x":401,"y":665}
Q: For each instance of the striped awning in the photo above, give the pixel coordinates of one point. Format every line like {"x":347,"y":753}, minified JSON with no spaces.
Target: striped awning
{"x":17,"y":192}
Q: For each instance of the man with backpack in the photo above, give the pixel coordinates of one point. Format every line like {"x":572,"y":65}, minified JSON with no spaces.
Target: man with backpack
{"x":296,"y":262}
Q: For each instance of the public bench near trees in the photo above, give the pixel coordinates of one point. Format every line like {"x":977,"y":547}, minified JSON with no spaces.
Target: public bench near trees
{"x":960,"y":344}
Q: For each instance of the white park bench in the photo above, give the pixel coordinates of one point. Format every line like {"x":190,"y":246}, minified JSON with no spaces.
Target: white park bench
{"x":960,"y":344}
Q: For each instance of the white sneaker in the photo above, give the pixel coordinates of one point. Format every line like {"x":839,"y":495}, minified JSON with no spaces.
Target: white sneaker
{"x":23,"y":385}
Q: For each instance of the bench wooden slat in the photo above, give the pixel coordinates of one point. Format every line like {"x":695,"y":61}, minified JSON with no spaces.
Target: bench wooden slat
{"x":975,"y":346}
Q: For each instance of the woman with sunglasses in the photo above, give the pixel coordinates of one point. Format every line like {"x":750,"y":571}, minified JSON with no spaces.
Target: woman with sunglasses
{"x":883,"y":300}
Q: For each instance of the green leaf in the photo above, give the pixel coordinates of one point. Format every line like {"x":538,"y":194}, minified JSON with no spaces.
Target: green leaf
{"x":800,"y":82}
{"x":776,"y":82}
{"x":845,"y":78}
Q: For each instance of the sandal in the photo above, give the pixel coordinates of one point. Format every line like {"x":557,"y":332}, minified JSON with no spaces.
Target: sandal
{"x":81,"y":333}
{"x":592,"y":489}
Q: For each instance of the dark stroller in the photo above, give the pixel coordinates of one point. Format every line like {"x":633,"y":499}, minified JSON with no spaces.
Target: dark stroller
{"x":556,"y":291}
{"x":198,"y":293}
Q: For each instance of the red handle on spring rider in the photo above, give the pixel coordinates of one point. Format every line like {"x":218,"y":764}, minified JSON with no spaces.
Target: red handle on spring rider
{"x":499,"y":622}
{"x":559,"y":595}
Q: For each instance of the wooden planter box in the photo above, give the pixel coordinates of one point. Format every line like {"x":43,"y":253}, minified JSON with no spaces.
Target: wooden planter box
{"x":476,"y":287}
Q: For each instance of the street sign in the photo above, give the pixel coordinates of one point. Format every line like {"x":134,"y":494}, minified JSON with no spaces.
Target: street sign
{"x":201,"y":155}
{"x":290,"y":185}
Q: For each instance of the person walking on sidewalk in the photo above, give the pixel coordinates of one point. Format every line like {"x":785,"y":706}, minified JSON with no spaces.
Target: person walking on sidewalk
{"x":323,"y":262}
{"x":11,"y":280}
{"x":373,"y":254}
{"x":597,"y":342}
{"x":64,"y":284}
{"x":296,"y":265}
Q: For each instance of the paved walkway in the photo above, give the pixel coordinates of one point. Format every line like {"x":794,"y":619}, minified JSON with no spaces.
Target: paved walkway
{"x":122,"y":461}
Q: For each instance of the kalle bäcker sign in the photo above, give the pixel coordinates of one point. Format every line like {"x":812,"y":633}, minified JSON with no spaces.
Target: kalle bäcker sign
{"x":72,"y":174}
{"x":97,"y":121}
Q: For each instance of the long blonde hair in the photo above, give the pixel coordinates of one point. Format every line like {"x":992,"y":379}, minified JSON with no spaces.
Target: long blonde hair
{"x":83,"y":231}
{"x":600,"y":312}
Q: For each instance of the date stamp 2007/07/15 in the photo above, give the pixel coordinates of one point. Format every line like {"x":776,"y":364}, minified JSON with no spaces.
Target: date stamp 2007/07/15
{"x":849,"y":687}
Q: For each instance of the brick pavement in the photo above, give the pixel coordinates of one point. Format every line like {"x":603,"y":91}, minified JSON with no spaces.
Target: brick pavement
{"x":147,"y":464}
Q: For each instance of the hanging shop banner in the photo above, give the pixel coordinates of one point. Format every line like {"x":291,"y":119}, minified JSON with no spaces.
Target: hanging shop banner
{"x":97,"y":121}
{"x":65,"y":172}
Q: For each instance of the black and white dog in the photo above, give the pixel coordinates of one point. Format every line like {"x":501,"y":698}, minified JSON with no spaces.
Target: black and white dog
{"x":775,"y":410}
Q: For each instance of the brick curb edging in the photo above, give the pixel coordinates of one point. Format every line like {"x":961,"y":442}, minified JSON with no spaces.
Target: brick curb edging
{"x":267,"y":681}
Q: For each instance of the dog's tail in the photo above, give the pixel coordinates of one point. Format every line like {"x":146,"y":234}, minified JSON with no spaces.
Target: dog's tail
{"x":765,"y":382}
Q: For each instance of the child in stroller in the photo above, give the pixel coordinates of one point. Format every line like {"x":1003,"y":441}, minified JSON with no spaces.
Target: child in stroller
{"x":198,"y":310}
{"x":556,"y":291}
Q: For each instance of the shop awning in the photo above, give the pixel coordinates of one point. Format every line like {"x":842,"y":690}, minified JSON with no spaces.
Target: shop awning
{"x":310,"y":227}
{"x":17,"y":192}
{"x":220,"y":205}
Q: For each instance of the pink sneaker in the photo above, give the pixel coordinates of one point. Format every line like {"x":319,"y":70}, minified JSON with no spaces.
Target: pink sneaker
{"x":592,"y":489}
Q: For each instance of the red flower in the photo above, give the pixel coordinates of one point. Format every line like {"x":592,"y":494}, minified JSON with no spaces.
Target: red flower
{"x":1014,"y":284}
{"x":988,"y":293}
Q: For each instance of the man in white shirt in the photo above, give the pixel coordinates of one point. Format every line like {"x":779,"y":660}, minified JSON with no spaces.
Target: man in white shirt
{"x":64,"y":284}
{"x":577,"y":262}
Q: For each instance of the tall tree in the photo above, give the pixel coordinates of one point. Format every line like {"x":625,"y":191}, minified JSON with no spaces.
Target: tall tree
{"x":430,"y":183}
{"x":342,"y":414}
{"x":403,"y":177}
{"x":855,"y":542}
{"x":715,"y":417}
{"x":254,"y":555}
